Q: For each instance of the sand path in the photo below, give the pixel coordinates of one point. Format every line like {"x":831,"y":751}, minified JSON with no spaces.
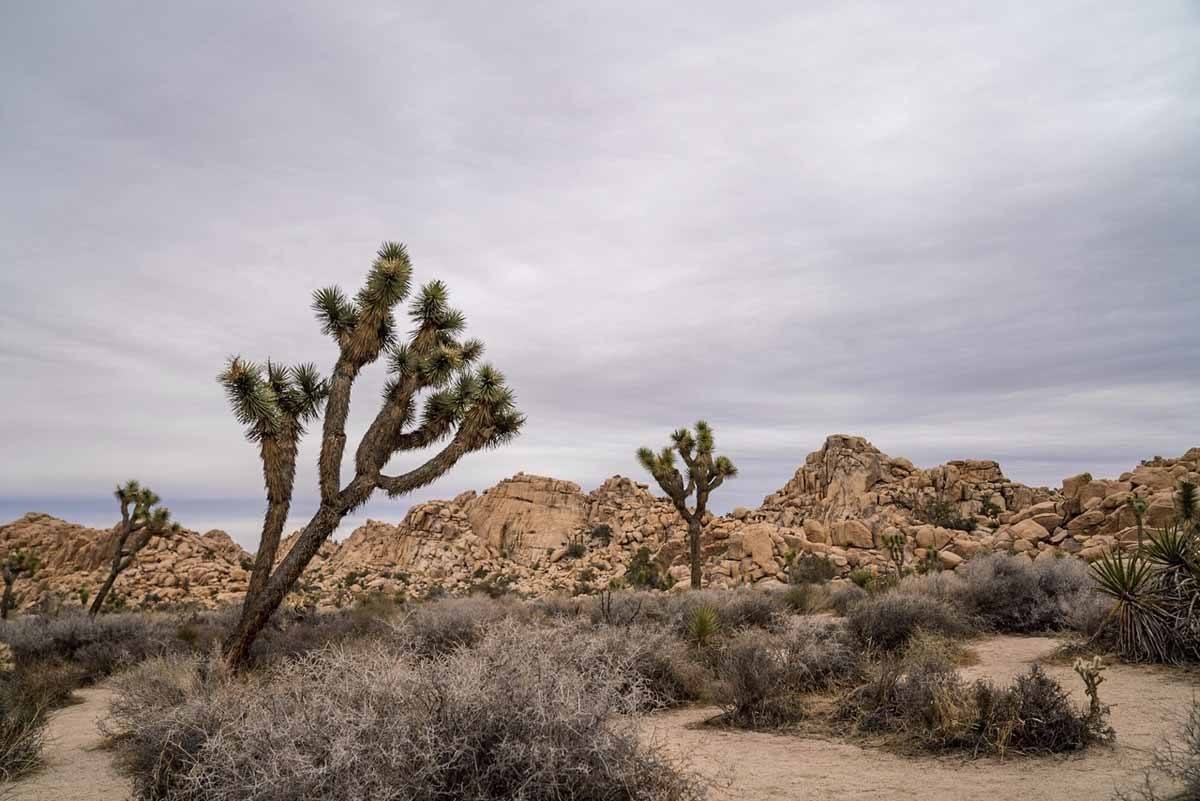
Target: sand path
{"x":1147,"y":705}
{"x":75,"y":768}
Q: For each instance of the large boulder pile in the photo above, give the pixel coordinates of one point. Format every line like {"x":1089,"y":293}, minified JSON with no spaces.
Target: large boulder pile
{"x":207,"y":569}
{"x":539,"y":535}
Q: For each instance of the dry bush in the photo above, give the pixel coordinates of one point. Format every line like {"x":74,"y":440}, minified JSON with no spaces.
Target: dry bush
{"x":847,"y":595}
{"x":1012,"y":594}
{"x":502,"y":720}
{"x":920,"y":698}
{"x":23,"y":706}
{"x":735,"y":609}
{"x":95,"y":648}
{"x":804,"y":599}
{"x":1177,"y":761}
{"x":763,"y":677}
{"x":440,"y":627}
{"x":888,"y":621}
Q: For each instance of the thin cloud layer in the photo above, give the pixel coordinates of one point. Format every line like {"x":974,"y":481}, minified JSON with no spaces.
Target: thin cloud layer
{"x":958,"y":231}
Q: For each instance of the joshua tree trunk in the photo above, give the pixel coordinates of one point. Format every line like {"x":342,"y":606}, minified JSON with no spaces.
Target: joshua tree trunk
{"x":102,"y":594}
{"x":6,"y":602}
{"x":694,"y":529}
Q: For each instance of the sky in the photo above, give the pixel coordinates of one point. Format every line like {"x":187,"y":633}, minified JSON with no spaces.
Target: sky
{"x":961,"y":230}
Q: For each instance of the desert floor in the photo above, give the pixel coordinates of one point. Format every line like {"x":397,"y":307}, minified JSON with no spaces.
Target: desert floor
{"x":1148,"y":704}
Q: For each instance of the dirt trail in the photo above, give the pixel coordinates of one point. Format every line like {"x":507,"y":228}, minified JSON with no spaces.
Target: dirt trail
{"x":1147,"y":705}
{"x":75,"y":768}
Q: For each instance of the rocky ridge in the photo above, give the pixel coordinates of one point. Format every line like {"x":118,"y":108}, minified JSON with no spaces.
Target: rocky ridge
{"x":540,"y":535}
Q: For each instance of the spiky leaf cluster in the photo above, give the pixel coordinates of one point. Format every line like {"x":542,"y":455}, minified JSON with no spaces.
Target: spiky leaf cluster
{"x":272,"y":398}
{"x":140,"y":508}
{"x":20,"y":563}
{"x":364,"y":326}
{"x":703,"y":471}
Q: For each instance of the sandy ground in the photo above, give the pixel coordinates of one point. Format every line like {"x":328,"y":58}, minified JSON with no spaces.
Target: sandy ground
{"x":75,"y":768}
{"x":1147,"y":705}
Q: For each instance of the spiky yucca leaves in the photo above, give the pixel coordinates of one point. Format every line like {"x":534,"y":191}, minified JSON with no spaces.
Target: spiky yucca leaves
{"x":275,"y":403}
{"x":705,"y":472}
{"x":430,"y":369}
{"x":13,"y":566}
{"x":1143,"y":622}
{"x":142,"y":519}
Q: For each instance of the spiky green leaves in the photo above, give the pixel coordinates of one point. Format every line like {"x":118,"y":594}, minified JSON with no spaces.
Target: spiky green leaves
{"x":20,"y":562}
{"x":1143,"y":624}
{"x":388,"y":280}
{"x":705,"y":472}
{"x":273,"y":399}
{"x":140,"y":508}
{"x":337,"y":315}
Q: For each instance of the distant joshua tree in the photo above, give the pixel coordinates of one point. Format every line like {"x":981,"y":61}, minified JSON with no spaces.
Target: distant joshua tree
{"x":15,"y":565}
{"x":704,"y":474}
{"x":142,"y":519}
{"x":469,"y":405}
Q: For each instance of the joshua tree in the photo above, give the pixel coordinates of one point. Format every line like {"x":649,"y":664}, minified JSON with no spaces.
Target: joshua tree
{"x":142,"y":519}
{"x":469,"y":405}
{"x":1187,"y":503}
{"x":1137,"y":505}
{"x":15,"y":565}
{"x":704,"y":474}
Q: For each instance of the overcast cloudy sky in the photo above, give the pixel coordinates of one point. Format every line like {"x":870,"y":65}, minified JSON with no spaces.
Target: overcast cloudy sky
{"x":959,"y":229}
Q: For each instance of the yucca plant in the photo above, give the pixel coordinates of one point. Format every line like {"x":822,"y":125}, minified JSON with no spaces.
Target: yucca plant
{"x":142,"y":519}
{"x":703,"y":626}
{"x":1143,"y":623}
{"x":470,"y":406}
{"x":13,"y":566}
{"x":705,"y":472}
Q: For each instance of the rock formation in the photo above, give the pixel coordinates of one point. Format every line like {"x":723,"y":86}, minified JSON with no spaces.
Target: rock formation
{"x":539,"y":535}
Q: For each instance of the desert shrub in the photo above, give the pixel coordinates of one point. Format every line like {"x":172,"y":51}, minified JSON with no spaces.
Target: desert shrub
{"x":921,"y":699}
{"x":644,"y":573}
{"x":945,"y":514}
{"x":763,"y":677}
{"x":807,"y":598}
{"x":1010,"y":593}
{"x":95,"y":648}
{"x":25,"y":697}
{"x":1178,"y":761}
{"x":603,"y":534}
{"x":863,"y":578}
{"x":443,"y":626}
{"x":888,"y":621}
{"x":843,"y":597}
{"x":650,"y":656}
{"x":811,"y":568}
{"x":501,"y":720}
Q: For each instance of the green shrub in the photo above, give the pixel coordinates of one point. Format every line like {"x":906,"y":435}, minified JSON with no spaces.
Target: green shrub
{"x":811,"y":568}
{"x":644,"y":573}
{"x":845,"y":596}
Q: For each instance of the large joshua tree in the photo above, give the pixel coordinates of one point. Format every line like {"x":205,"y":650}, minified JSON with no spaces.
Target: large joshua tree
{"x":142,"y":519}
{"x":467,"y":405}
{"x":705,"y":473}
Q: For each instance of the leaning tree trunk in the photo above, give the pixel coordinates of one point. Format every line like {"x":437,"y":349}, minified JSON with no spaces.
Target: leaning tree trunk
{"x":257,"y":610}
{"x":102,"y":594}
{"x":6,"y":602}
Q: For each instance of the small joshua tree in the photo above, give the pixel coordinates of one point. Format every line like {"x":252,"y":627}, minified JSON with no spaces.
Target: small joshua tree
{"x":15,"y":565}
{"x":894,"y":543}
{"x":142,"y":519}
{"x":704,"y":474}
{"x":469,"y":405}
{"x":1137,"y":505}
